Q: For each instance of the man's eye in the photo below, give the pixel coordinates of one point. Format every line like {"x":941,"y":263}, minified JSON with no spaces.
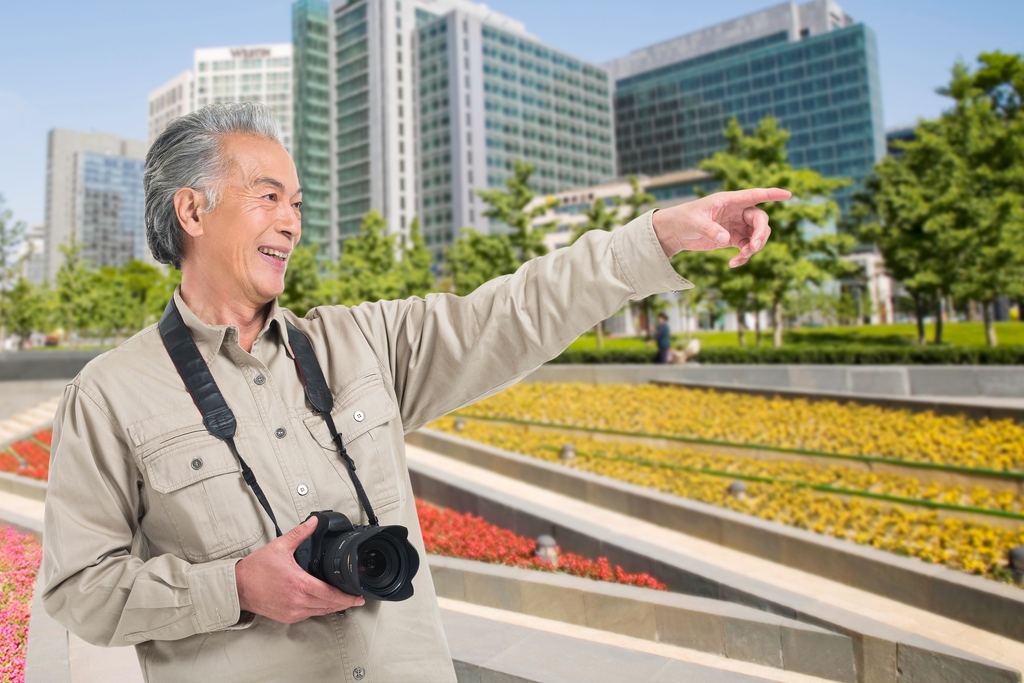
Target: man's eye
{"x":272,"y":197}
{"x":297,"y":205}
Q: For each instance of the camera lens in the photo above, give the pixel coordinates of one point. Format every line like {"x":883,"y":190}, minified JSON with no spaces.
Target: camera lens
{"x":378,"y":563}
{"x":375,"y":562}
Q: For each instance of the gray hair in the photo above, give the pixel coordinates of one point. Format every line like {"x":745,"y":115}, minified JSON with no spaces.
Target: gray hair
{"x":188,"y":154}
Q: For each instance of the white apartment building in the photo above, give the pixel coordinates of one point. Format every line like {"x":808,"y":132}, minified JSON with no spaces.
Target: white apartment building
{"x":174,"y":98}
{"x":94,"y":191}
{"x":248,"y":73}
{"x":432,"y":100}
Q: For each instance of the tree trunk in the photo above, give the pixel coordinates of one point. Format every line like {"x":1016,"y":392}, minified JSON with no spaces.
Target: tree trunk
{"x":777,"y":323}
{"x":938,"y":320}
{"x":972,"y":311}
{"x":741,"y":328}
{"x":1020,"y":311}
{"x":598,"y":328}
{"x":990,"y":323}
{"x":919,"y":314}
{"x":757,"y":327}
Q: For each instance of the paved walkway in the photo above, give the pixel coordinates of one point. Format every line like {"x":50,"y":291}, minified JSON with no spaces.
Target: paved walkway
{"x":953,"y":633}
{"x":18,"y":396}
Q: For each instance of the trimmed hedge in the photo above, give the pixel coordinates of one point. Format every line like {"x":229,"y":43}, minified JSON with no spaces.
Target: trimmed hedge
{"x":816,"y":355}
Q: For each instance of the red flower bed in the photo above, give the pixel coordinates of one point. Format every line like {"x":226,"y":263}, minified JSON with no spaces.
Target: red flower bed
{"x":446,"y":532}
{"x":19,"y":562}
{"x":29,"y":458}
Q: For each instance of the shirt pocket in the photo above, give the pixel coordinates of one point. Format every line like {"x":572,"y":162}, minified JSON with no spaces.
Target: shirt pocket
{"x":362,"y":414}
{"x":201,"y":507}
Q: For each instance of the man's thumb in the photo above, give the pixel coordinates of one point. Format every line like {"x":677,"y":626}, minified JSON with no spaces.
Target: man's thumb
{"x":294,"y":538}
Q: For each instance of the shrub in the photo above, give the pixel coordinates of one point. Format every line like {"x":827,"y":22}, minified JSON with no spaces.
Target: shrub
{"x":854,"y":354}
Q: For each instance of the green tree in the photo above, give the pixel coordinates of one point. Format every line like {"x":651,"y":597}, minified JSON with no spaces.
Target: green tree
{"x":475,"y":258}
{"x":11,"y":234}
{"x":895,"y":211}
{"x":32,"y":309}
{"x":415,"y":267}
{"x":598,"y":218}
{"x":142,"y":281}
{"x":792,"y":259}
{"x":114,"y":309}
{"x":302,"y":285}
{"x":366,"y":270}
{"x":75,"y":283}
{"x":979,"y":214}
{"x":511,"y":207}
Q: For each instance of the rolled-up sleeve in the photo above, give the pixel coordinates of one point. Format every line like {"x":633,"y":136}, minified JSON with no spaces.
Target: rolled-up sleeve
{"x":445,"y":351}
{"x":93,"y":584}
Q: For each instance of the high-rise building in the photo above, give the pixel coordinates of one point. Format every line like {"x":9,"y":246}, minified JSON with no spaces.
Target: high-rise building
{"x":174,"y":98}
{"x":33,"y":256}
{"x":94,"y":192}
{"x":432,"y":100}
{"x":249,"y":73}
{"x":311,"y":119}
{"x":810,"y":66}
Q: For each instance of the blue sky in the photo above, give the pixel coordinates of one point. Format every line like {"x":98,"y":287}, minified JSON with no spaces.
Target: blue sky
{"x":90,"y":65}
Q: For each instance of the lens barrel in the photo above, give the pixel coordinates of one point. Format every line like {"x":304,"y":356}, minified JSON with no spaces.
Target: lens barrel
{"x":375,"y":562}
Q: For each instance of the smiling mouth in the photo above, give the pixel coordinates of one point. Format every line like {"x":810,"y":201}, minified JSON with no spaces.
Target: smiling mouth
{"x":280,"y":255}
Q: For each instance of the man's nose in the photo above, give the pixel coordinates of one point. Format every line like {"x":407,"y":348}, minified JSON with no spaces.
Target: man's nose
{"x":290,"y":225}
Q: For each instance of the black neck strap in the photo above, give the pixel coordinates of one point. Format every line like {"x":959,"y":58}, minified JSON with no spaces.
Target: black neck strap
{"x":319,"y":395}
{"x":219,"y":419}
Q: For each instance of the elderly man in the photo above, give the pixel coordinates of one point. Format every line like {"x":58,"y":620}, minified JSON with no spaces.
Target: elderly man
{"x":153,"y":537}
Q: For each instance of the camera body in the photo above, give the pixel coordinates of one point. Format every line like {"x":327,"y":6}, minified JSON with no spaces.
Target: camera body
{"x":375,"y":562}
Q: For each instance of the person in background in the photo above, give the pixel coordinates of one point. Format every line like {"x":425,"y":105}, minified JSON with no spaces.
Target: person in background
{"x":663,"y":338}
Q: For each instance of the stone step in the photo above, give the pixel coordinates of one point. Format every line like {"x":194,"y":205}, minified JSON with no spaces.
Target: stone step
{"x":717,"y":627}
{"x":489,"y":648}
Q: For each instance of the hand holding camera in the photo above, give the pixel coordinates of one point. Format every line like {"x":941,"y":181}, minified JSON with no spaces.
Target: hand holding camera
{"x":270,"y":584}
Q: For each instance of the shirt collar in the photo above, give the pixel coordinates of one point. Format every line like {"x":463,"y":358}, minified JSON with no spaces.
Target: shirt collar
{"x":211,"y":338}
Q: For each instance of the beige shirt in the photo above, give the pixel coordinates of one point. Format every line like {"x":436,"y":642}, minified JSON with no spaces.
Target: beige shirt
{"x":141,"y":541}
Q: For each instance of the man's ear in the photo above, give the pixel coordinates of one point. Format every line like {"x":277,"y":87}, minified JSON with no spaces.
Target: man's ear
{"x":187,"y":203}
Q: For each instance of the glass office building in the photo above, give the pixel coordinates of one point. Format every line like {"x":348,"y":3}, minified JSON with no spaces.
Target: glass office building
{"x":489,"y":96}
{"x":311,"y":118}
{"x":810,"y":66}
{"x":110,"y":209}
{"x":433,"y":100}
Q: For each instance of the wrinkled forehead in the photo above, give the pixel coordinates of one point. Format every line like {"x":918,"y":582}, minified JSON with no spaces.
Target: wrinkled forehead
{"x":251,"y":161}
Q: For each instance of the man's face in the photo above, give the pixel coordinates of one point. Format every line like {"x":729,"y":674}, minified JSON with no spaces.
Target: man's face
{"x":247,"y":239}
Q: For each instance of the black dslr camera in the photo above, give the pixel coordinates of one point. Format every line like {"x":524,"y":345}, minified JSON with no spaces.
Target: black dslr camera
{"x":371,"y":561}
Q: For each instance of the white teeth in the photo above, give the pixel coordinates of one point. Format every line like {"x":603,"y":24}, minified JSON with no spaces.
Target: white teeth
{"x":273,"y":252}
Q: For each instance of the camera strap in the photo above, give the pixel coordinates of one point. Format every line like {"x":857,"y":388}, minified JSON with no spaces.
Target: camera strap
{"x":322,"y":400}
{"x":217,"y":417}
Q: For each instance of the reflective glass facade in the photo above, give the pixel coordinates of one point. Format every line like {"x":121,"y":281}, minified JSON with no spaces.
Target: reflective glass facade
{"x":488,"y":97}
{"x":824,"y":89}
{"x":110,"y":207}
{"x":312,"y":134}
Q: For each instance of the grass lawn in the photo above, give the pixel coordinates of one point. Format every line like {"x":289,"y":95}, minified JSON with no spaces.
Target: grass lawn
{"x":903,"y":334}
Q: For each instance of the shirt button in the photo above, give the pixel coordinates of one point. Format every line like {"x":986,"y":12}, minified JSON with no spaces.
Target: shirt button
{"x":196,"y":463}
{"x":358,"y":673}
{"x":259,"y":379}
{"x":302,"y":489}
{"x":358,"y":415}
{"x":280,"y":432}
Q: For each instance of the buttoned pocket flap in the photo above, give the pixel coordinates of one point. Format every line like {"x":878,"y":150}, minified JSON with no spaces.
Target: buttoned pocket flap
{"x":363,"y":406}
{"x":193,"y":457}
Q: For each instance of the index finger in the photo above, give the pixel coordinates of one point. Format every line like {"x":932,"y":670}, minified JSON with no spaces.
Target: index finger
{"x":757,"y":195}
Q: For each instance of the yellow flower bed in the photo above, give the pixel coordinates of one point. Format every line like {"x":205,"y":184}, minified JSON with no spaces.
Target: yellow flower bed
{"x":787,"y":423}
{"x":969,"y":546}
